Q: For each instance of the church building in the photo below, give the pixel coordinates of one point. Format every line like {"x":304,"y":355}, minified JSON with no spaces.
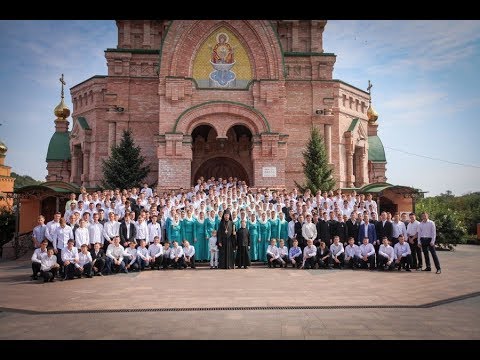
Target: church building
{"x":218,"y":98}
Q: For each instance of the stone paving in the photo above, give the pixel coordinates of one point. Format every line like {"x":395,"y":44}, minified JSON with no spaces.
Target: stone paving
{"x":21,"y":298}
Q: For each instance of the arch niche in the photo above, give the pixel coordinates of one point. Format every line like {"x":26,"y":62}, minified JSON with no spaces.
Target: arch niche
{"x":214,"y":156}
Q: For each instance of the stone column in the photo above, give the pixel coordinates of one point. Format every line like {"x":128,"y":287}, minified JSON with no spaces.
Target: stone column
{"x":328,"y":141}
{"x":349,"y":168}
{"x":363,"y":167}
{"x":73,"y":177}
{"x":86,"y":172}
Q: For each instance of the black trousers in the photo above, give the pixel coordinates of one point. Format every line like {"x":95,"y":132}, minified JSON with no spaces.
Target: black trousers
{"x":370,"y":260}
{"x":50,"y":274}
{"x":191,"y":263}
{"x":112,"y":268}
{"x":323,"y":264}
{"x":179,"y":264}
{"x":36,"y":268}
{"x":157,"y":263}
{"x":406,"y":262}
{"x":426,"y":247}
{"x":87,"y":269}
{"x":382,"y":262}
{"x":166,"y":262}
{"x":341,"y":258}
{"x":70,"y":271}
{"x":273,"y":263}
{"x":416,"y":254}
{"x":99,"y":264}
{"x":353,"y":262}
{"x":310,"y":262}
{"x":285,"y":259}
{"x":298,"y":261}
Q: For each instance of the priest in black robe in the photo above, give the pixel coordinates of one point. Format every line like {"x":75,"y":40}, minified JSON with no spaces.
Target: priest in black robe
{"x":243,"y":246}
{"x":226,"y":242}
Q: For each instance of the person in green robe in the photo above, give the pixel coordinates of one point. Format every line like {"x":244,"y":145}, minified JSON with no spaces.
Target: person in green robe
{"x":264,"y":237}
{"x":175,"y":230}
{"x":254,"y":237}
{"x":187,"y":227}
{"x":283,"y":228}
{"x":200,"y":238}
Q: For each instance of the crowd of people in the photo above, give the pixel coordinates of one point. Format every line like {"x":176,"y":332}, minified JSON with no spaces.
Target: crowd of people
{"x":226,"y":223}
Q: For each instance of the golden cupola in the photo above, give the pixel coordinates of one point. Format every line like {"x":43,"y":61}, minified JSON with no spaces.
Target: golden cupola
{"x":62,"y":111}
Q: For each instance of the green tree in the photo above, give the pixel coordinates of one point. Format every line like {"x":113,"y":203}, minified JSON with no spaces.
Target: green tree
{"x":124,"y":168}
{"x":318,"y":173}
{"x":23,"y":180}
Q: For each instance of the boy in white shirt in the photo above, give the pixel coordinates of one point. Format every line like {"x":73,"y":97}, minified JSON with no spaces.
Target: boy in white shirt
{"x":49,"y":266}
{"x":143,"y":258}
{"x":283,"y":254}
{"x":155,"y":251}
{"x":272,"y":254}
{"x":386,"y":256}
{"x":130,"y":257}
{"x":37,"y":256}
{"x":84,"y":265}
{"x":213,"y":248}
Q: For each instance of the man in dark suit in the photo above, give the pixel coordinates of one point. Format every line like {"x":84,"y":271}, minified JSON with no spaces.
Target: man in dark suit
{"x":323,"y":229}
{"x":243,"y":246}
{"x":383,"y":228}
{"x":98,"y":259}
{"x":353,"y":226}
{"x":128,"y":231}
{"x":366,"y":230}
{"x":286,"y":210}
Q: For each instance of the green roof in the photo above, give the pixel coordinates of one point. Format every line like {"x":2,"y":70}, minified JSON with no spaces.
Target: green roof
{"x":83,"y":123}
{"x":59,"y":147}
{"x":376,"y":152}
{"x":375,"y":187}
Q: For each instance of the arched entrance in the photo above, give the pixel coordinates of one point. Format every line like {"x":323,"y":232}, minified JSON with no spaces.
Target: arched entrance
{"x":221,"y":157}
{"x":221,"y":167}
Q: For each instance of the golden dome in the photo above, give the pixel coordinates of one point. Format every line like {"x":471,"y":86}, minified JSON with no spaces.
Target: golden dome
{"x":3,"y":148}
{"x":62,"y":111}
{"x":372,"y":114}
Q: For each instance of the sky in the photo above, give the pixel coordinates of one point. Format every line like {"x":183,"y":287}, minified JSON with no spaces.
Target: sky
{"x":425,"y":77}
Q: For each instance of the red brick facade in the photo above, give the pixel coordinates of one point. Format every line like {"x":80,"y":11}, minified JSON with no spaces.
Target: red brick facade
{"x":262,"y":129}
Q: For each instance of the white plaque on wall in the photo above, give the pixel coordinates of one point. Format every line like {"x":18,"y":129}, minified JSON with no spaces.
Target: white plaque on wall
{"x":269,"y":171}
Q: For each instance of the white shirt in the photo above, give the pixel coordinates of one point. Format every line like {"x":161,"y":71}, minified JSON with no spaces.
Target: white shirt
{"x":143,"y":253}
{"x":50,"y":230}
{"x":351,"y":251}
{"x":95,"y":233}
{"x":273,"y":250}
{"x":48,"y":262}
{"x":61,"y":237}
{"x":155,"y":250}
{"x":367,"y":250}
{"x":309,"y":231}
{"x":70,"y":254}
{"x":412,"y":228}
{"x":309,"y":251}
{"x":154,"y":230}
{"x":115,"y":252}
{"x":147,"y":191}
{"x":132,"y":254}
{"x":142,"y":231}
{"x":283,"y":251}
{"x":212,"y":244}
{"x":399,"y":229}
{"x":176,"y":252}
{"x":336,"y":250}
{"x":291,"y":229}
{"x":189,"y":251}
{"x":83,"y":259}
{"x":428,"y":230}
{"x":81,"y":237}
{"x":401,"y":250}
{"x":111,"y":229}
{"x":387,"y":251}
{"x":38,"y":254}
{"x":39,"y":232}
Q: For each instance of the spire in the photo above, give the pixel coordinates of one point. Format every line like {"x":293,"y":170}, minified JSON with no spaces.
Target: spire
{"x":371,"y":113}
{"x":61,"y":111}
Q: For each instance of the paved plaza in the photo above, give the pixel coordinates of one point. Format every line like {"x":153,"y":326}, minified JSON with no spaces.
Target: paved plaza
{"x":255,"y":303}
